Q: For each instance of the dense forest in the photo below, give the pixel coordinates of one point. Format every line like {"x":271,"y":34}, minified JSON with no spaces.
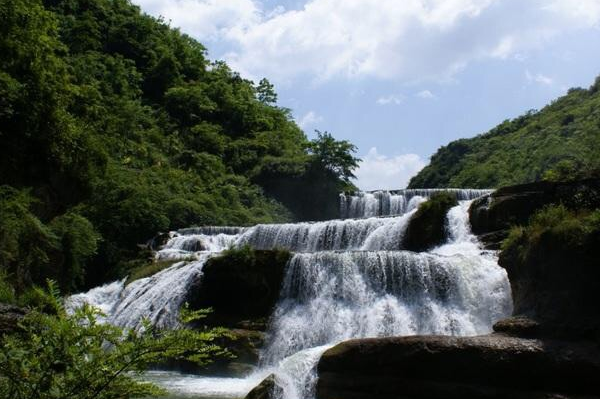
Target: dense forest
{"x":115,"y":126}
{"x":561,"y":141}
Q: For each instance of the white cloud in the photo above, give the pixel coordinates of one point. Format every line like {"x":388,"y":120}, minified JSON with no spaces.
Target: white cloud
{"x":407,"y":41}
{"x":309,"y":119}
{"x":378,"y":171}
{"x":426,"y":94}
{"x":538,"y":78}
{"x":391,"y":99}
{"x":205,"y":19}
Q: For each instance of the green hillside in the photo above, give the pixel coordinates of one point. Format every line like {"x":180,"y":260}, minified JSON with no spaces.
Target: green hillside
{"x":115,"y":126}
{"x":560,"y":141}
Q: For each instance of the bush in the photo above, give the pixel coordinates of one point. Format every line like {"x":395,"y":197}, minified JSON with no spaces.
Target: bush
{"x":74,"y":356}
{"x":554,"y":225}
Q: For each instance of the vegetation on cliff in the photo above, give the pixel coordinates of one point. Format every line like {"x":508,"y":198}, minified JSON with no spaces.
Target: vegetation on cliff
{"x":114,"y":126}
{"x":561,"y":141}
{"x":553,"y":269}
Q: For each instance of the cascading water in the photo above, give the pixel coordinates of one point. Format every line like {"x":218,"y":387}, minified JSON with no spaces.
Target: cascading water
{"x":347,"y":278}
{"x":387,"y":203}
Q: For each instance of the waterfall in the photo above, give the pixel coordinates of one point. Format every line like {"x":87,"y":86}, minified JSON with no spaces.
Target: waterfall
{"x":347,"y":278}
{"x":159,"y":297}
{"x":330,"y":297}
{"x":387,"y":203}
{"x":349,"y":234}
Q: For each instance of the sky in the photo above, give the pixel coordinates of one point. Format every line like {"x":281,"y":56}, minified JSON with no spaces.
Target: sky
{"x":399,"y":78}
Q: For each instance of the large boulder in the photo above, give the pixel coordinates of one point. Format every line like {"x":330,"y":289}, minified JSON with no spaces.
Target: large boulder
{"x":267,"y":389}
{"x":241,"y":286}
{"x":427,"y":227}
{"x":555,"y":278}
{"x":514,"y":205}
{"x":441,"y":367}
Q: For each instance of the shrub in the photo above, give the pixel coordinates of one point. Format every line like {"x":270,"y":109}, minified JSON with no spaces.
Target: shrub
{"x":74,"y":356}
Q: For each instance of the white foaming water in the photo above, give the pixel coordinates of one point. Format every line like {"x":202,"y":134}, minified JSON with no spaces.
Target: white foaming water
{"x":386,"y":203}
{"x":347,"y":279}
{"x":330,"y":297}
{"x":349,"y":234}
{"x":159,"y":297}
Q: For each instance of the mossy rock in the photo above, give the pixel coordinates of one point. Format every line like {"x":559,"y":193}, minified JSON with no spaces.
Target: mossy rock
{"x":427,"y":227}
{"x":241,"y":286}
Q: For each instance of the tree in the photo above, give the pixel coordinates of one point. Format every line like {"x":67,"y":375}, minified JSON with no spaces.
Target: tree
{"x":74,"y":356}
{"x":334,"y":155}
{"x":265,"y":92}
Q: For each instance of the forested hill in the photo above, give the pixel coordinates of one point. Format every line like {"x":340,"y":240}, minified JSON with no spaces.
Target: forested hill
{"x":561,"y":141}
{"x":115,"y":126}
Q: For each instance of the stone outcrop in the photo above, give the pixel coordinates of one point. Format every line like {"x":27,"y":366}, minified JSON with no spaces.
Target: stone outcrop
{"x":267,"y":389}
{"x":241,"y":286}
{"x":432,"y":367}
{"x":556,"y":283}
{"x":550,"y":348}
{"x":492,"y":215}
{"x":426,"y":228}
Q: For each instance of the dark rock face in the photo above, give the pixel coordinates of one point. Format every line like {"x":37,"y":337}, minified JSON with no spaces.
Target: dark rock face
{"x":242,"y":287}
{"x":427,"y":227}
{"x":519,"y":326}
{"x":514,"y":205}
{"x":441,"y":367}
{"x":549,"y":349}
{"x":267,"y":389}
{"x":244,"y":345}
{"x":10,"y":316}
{"x":557,"y":285}
{"x":158,"y":241}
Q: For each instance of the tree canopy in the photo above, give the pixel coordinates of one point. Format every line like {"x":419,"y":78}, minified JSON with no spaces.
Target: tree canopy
{"x":115,"y":126}
{"x":561,"y":141}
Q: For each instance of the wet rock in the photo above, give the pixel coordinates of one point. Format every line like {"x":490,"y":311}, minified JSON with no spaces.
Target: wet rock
{"x":556,"y":283}
{"x":243,"y":348}
{"x":441,"y":367}
{"x":242,"y":287}
{"x":514,"y":205}
{"x":518,"y":326}
{"x":427,"y":227}
{"x":267,"y":389}
{"x":158,"y":241}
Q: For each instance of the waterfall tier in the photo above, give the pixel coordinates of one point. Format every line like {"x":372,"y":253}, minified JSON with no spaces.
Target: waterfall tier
{"x":397,"y":202}
{"x":332,"y":296}
{"x":347,"y":278}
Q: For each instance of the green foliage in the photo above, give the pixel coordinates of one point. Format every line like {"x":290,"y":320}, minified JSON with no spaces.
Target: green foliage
{"x":75,"y":356}
{"x":114,"y":126}
{"x":149,"y":269}
{"x":26,"y":244}
{"x":31,"y":251}
{"x":564,"y":170}
{"x":335,"y":155}
{"x":560,"y":142}
{"x":265,"y":92}
{"x":555,"y":226}
{"x":7,"y":292}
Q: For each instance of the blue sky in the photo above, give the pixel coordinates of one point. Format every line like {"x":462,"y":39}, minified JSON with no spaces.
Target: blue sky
{"x":400,"y":78}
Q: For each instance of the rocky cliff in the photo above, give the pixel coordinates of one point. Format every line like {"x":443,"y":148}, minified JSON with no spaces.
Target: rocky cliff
{"x":550,"y":348}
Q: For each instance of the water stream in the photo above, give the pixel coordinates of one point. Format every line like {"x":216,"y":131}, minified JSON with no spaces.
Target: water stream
{"x":348,"y":278}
